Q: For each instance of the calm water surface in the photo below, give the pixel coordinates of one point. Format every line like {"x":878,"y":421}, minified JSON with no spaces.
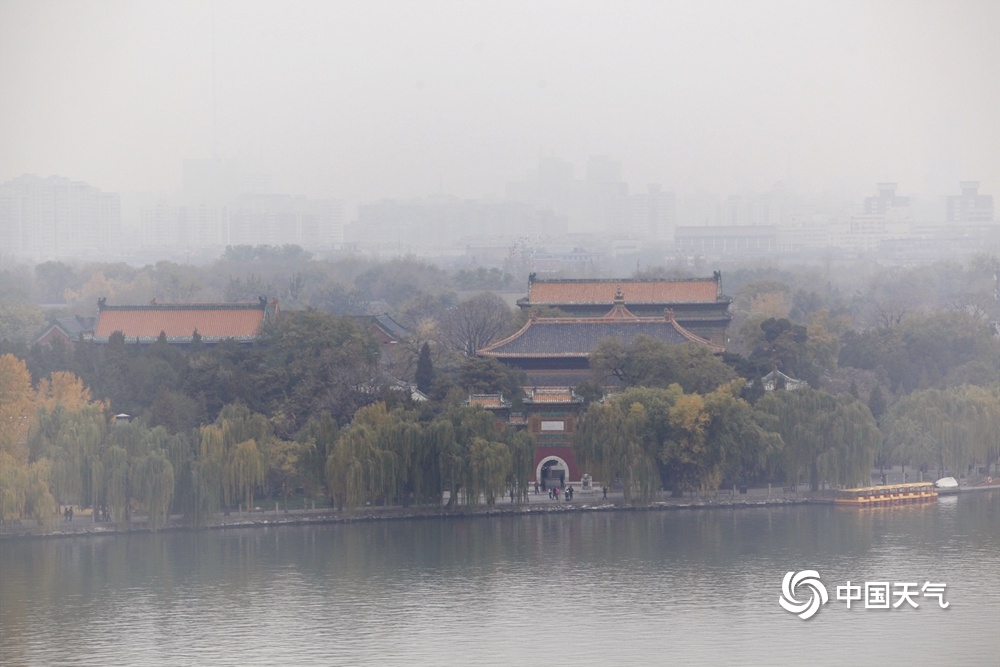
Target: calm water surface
{"x":622,"y":588}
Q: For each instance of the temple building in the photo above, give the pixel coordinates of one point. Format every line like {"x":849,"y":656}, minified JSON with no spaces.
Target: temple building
{"x":698,"y":304}
{"x":554,"y":352}
{"x":67,"y":330}
{"x":213,"y":322}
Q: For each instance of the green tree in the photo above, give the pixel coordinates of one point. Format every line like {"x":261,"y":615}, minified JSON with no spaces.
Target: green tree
{"x":946,"y":430}
{"x":490,"y":464}
{"x":313,"y":363}
{"x":876,"y":402}
{"x":647,"y":362}
{"x":613,"y":443}
{"x":425,"y":369}
{"x":243,"y":472}
{"x":825,"y":438}
{"x":489,"y":376}
{"x":152,"y":477}
{"x":317,"y":440}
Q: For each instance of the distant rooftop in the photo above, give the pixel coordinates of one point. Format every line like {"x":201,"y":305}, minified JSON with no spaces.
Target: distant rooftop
{"x":585,"y":291}
{"x":578,"y":336}
{"x":213,"y":321}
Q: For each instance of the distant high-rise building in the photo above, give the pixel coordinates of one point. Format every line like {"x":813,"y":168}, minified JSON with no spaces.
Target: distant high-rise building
{"x":970,"y":206}
{"x":283,"y":219}
{"x":885,"y":199}
{"x":57,"y":217}
{"x":653,"y":214}
{"x":886,"y":216}
{"x":167,"y":226}
{"x":605,"y":196}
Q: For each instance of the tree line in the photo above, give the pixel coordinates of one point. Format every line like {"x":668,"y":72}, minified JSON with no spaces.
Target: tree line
{"x":58,"y":445}
{"x":913,"y":347}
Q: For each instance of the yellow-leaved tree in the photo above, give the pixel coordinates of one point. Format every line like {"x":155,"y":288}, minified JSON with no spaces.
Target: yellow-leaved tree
{"x":24,"y":485}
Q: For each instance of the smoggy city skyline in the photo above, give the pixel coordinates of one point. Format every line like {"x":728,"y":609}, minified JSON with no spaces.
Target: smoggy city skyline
{"x":365,"y":101}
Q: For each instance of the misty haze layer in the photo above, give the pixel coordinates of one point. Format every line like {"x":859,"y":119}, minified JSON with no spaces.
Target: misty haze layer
{"x":360,"y":101}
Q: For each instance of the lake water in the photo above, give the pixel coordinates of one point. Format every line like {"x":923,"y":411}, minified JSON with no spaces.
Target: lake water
{"x":604,"y":588}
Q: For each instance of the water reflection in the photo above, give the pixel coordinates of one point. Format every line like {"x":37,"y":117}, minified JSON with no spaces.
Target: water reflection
{"x":699,"y":586}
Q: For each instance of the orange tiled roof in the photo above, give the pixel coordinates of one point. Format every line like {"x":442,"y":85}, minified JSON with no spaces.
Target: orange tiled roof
{"x":552,"y":395}
{"x":213,"y":321}
{"x":488,"y":401}
{"x":635,"y":291}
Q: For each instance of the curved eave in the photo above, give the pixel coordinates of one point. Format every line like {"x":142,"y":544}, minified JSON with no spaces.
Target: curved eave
{"x":546,"y":355}
{"x":489,"y":348}
{"x":717,"y":349}
{"x":631,"y":302}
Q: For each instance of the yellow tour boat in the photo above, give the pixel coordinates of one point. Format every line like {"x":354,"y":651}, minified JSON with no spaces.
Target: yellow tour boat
{"x":890,"y":494}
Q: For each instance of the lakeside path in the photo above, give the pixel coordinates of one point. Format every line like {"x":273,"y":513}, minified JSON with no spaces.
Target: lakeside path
{"x":82,"y":526}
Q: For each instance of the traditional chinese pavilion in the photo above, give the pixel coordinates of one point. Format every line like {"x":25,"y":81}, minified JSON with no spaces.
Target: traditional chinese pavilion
{"x":554,"y":352}
{"x":698,"y":304}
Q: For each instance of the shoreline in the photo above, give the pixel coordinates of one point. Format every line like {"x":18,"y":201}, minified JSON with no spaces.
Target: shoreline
{"x":367,"y":515}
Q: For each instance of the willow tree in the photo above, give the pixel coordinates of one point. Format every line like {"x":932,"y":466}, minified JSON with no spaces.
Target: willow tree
{"x":358,"y":470}
{"x":371,"y":461}
{"x":489,"y":465}
{"x":984,"y":412}
{"x":116,"y":467}
{"x":441,"y":439}
{"x":945,"y":429}
{"x":39,"y":503}
{"x":24,"y":490}
{"x":226,"y":469}
{"x":611,"y":444}
{"x":73,"y":440}
{"x":317,"y":439}
{"x":467,"y":424}
{"x":522,"y":462}
{"x":208,"y":473}
{"x":400,"y":442}
{"x":825,"y":438}
{"x":152,"y":476}
{"x":243,"y":471}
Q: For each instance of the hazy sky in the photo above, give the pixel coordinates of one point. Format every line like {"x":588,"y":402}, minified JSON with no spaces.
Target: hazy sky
{"x":367,"y":99}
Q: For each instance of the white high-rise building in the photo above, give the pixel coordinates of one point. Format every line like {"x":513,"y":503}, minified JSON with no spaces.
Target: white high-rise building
{"x":55,"y":217}
{"x":653,"y":214}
